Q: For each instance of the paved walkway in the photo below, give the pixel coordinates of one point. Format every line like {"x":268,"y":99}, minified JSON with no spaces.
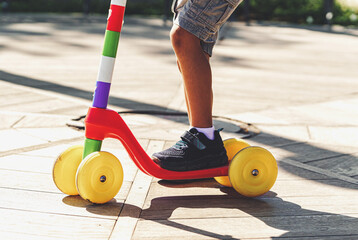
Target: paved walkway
{"x":296,"y":86}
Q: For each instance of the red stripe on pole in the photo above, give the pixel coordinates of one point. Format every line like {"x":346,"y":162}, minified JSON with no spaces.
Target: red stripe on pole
{"x":115,"y":18}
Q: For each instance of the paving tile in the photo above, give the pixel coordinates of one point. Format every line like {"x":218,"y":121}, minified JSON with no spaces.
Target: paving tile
{"x":317,"y":188}
{"x":290,"y":172}
{"x":16,"y":101}
{"x":245,"y":228}
{"x":291,"y":132}
{"x":270,"y":141}
{"x":257,"y":118}
{"x":42,"y":160}
{"x":283,"y":188}
{"x":310,"y":151}
{"x":40,"y":121}
{"x":29,"y":181}
{"x":127,"y":221}
{"x":341,"y":136}
{"x":326,"y":114}
{"x":16,"y":224}
{"x":7,"y":121}
{"x":55,"y":203}
{"x":346,"y":165}
{"x":290,"y":196}
{"x":215,"y":206}
{"x":26,"y":163}
{"x":44,"y":105}
{"x":51,"y":152}
{"x":12,"y":139}
{"x":51,"y":134}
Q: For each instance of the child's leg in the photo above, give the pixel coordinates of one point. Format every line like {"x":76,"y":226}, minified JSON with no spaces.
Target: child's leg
{"x":194,"y":66}
{"x":201,"y":147}
{"x":193,"y":36}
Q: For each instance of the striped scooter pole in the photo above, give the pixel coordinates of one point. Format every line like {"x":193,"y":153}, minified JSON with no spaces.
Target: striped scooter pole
{"x":113,"y":30}
{"x":104,"y":79}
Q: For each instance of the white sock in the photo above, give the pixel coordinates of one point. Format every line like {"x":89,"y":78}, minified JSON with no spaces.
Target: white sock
{"x":208,"y":132}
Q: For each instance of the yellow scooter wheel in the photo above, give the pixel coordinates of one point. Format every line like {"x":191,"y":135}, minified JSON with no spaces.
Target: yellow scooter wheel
{"x":232,"y":146}
{"x":65,"y":168}
{"x":99,"y":177}
{"x":253,"y":171}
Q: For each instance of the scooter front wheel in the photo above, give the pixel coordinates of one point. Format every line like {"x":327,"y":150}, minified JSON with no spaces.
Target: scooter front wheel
{"x":99,"y":177}
{"x":253,"y":171}
{"x":65,"y":168}
{"x":232,"y":146}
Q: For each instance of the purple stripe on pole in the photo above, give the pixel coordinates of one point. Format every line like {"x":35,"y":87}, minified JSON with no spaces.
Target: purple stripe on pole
{"x":101,"y":94}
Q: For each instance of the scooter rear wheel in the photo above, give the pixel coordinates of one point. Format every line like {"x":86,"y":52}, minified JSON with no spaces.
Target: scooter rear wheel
{"x":232,"y":146}
{"x":253,"y":171}
{"x":65,"y":168}
{"x":99,"y":177}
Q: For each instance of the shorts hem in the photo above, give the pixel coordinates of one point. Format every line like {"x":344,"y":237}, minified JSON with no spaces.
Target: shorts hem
{"x":197,"y":31}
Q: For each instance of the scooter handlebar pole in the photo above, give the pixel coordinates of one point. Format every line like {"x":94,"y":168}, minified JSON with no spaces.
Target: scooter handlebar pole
{"x":111,"y":40}
{"x":109,"y":53}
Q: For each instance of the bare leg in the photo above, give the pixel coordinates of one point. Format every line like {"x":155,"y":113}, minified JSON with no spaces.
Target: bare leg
{"x":186,"y":97}
{"x":195,"y":68}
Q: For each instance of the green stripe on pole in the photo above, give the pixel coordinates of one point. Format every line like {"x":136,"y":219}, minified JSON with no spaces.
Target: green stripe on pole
{"x":91,"y":146}
{"x":111,"y":40}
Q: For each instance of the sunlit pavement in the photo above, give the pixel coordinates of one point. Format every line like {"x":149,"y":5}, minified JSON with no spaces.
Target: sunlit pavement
{"x":295,"y":86}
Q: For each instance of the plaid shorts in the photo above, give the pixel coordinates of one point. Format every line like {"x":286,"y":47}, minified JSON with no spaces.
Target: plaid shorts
{"x":203,"y":18}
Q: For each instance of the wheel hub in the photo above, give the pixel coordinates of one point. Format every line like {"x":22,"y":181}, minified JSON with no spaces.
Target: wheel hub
{"x":102,"y":179}
{"x":255,"y":172}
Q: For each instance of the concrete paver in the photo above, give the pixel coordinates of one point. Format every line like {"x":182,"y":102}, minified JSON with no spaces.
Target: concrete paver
{"x":296,"y":85}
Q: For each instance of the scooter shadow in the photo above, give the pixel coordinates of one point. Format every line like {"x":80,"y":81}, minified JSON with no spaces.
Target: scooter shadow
{"x":111,"y":208}
{"x":270,"y":209}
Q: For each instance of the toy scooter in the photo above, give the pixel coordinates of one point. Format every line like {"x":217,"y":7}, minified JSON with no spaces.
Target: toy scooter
{"x":97,"y":176}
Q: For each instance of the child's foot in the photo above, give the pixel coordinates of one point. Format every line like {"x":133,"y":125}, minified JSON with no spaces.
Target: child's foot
{"x":195,"y":151}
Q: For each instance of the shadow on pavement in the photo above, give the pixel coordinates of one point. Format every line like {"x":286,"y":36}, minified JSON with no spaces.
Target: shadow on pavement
{"x":270,"y":209}
{"x":137,"y":107}
{"x":71,"y":91}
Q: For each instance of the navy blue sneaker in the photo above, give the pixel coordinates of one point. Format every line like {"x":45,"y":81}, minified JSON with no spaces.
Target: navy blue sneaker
{"x":193,"y":152}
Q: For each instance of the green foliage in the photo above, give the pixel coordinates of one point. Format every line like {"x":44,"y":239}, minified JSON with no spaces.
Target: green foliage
{"x":144,"y":7}
{"x":46,"y":6}
{"x":298,"y":11}
{"x":345,"y":16}
{"x":293,"y":11}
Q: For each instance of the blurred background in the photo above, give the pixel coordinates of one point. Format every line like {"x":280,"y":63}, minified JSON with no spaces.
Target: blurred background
{"x":318,"y":12}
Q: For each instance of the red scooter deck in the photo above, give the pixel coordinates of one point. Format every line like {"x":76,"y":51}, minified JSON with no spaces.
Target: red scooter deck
{"x":105,"y":123}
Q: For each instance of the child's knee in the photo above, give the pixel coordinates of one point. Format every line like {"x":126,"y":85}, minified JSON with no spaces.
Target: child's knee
{"x":180,"y":37}
{"x":177,"y":37}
